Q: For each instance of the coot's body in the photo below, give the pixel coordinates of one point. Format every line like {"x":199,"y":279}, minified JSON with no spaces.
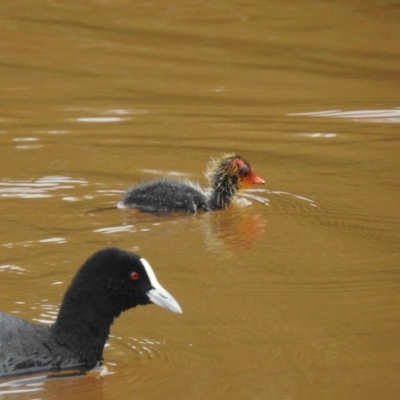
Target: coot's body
{"x":109,"y":282}
{"x":166,"y":195}
{"x":227,"y":176}
{"x":25,"y":346}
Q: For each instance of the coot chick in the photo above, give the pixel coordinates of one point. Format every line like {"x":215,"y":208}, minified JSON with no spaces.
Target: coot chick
{"x":109,"y":282}
{"x":227,"y":176}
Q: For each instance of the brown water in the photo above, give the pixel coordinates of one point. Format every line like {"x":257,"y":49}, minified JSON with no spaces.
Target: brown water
{"x":293,"y":293}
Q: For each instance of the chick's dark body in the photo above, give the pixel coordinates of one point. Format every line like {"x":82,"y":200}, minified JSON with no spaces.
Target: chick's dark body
{"x":166,"y":195}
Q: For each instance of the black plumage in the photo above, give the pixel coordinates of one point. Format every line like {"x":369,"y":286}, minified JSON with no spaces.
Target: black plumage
{"x":227,"y":175}
{"x":109,"y":282}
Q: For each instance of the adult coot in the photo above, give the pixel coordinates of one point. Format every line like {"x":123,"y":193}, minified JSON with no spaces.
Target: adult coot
{"x":227,"y":175}
{"x":109,"y":282}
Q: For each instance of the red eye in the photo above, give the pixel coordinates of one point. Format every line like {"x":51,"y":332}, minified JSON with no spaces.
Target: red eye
{"x":134,"y":276}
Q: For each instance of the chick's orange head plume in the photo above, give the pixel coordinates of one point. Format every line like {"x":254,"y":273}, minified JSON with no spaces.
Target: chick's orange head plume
{"x":247,"y":176}
{"x":232,"y":165}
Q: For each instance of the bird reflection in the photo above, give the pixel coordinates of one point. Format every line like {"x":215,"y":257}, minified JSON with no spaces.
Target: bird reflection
{"x":238,"y":228}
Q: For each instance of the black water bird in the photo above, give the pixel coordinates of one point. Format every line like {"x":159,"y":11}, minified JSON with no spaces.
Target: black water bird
{"x":226,"y":175}
{"x":109,"y":282}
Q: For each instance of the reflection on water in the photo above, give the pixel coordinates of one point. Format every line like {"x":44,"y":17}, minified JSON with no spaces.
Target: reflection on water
{"x":116,"y":229}
{"x":235,"y":228}
{"x":63,"y":385}
{"x":15,"y":269}
{"x":317,"y":135}
{"x":382,"y":116}
{"x":48,"y":312}
{"x":30,"y":243}
{"x":99,"y":119}
{"x":39,"y":188}
{"x":236,"y":231}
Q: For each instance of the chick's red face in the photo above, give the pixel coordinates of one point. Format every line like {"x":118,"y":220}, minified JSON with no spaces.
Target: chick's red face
{"x":247,"y":176}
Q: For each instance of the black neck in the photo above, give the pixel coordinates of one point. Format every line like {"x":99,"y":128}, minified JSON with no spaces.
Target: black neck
{"x":82,"y":328}
{"x":224,"y":189}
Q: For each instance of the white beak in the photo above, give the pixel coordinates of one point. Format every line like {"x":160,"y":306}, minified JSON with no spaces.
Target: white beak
{"x":158,"y":295}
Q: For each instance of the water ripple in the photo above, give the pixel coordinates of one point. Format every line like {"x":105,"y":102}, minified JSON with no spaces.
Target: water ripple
{"x":29,"y":243}
{"x":157,"y":360}
{"x":39,"y":188}
{"x":382,"y":116}
{"x":266,"y":202}
{"x":116,"y":229}
{"x":12,"y":268}
{"x":100,"y":119}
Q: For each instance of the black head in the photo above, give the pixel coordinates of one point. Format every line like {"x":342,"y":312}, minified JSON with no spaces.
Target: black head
{"x":113,"y":280}
{"x":109,"y":282}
